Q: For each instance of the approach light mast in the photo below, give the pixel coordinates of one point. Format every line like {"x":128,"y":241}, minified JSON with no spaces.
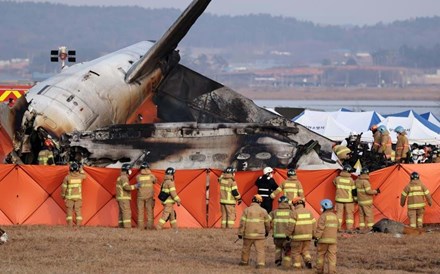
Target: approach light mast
{"x":62,"y":54}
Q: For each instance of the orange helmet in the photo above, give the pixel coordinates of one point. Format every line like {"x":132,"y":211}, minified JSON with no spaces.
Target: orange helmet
{"x":373,"y":127}
{"x":48,"y":143}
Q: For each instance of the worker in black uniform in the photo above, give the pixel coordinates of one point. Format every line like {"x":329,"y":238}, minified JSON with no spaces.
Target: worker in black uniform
{"x":266,"y":185}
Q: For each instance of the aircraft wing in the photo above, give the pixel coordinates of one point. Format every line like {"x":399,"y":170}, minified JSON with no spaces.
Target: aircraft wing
{"x":168,"y":42}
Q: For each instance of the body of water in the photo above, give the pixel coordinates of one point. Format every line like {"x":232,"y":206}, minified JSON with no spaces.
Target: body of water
{"x":380,"y":106}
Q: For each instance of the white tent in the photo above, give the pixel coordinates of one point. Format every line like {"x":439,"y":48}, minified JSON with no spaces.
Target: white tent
{"x":430,"y":117}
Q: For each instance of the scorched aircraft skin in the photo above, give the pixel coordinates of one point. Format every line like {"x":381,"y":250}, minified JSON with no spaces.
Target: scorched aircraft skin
{"x":86,"y":108}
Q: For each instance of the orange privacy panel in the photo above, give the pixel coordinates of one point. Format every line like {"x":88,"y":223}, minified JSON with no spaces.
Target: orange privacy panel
{"x":214,"y":213}
{"x":48,"y":177}
{"x":193,"y":198}
{"x":4,"y":220}
{"x":5,"y":144}
{"x":94,"y":198}
{"x":49,"y":213}
{"x":4,"y":170}
{"x":106,"y":177}
{"x":106,"y":216}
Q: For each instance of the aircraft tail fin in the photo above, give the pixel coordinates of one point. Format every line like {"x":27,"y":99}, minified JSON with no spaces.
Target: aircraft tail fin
{"x":168,"y":42}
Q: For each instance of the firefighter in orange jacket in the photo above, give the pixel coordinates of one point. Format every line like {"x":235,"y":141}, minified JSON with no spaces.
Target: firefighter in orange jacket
{"x":71,"y":192}
{"x":385,"y":142}
{"x":123,"y":196}
{"x":229,"y":196}
{"x":145,"y":196}
{"x":365,"y":199}
{"x":416,"y":192}
{"x":376,"y":138}
{"x":402,"y":145}
{"x":326,"y":237}
{"x":169,"y":189}
{"x":302,"y":234}
{"x":344,"y":197}
{"x":282,"y":223}
{"x":291,"y":187}
{"x":254,"y":228}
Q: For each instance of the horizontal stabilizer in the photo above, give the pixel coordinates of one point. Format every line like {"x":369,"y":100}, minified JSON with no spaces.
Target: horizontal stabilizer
{"x":168,"y":42}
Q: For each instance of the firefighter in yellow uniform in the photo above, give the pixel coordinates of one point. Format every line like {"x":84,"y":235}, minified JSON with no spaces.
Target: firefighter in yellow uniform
{"x":402,"y":145}
{"x":416,"y":192}
{"x":45,"y":156}
{"x":385,"y":142}
{"x":365,"y":199}
{"x":326,"y":237}
{"x":170,"y":197}
{"x":71,"y":192}
{"x":123,"y":196}
{"x":344,"y":197}
{"x":302,"y":234}
{"x":376,"y":138}
{"x":229,"y":196}
{"x":291,"y":187}
{"x":282,"y":223}
{"x":342,"y":152}
{"x":145,"y":196}
{"x":254,"y":228}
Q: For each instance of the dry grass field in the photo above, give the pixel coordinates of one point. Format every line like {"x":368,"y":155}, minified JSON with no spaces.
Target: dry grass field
{"x":43,"y":249}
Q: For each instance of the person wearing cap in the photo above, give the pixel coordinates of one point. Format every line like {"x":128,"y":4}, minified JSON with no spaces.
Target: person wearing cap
{"x":266,"y":185}
{"x":71,"y":192}
{"x":254,"y":228}
{"x":229,"y":197}
{"x":325,"y":238}
{"x":145,"y":196}
{"x":402,"y":145}
{"x":168,"y":196}
{"x":291,"y":187}
{"x":417,"y":193}
{"x":376,"y":138}
{"x":344,"y":197}
{"x":304,"y":225}
{"x":123,"y":196}
{"x":365,"y":199}
{"x":281,"y":223}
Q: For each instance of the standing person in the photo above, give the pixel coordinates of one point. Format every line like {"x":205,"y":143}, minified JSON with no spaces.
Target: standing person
{"x":344,"y":197}
{"x":376,"y":138}
{"x":302,"y":233}
{"x":71,"y":192}
{"x":402,"y":145}
{"x":342,"y":152}
{"x":266,"y":185}
{"x":229,"y":196}
{"x":385,"y":142}
{"x":281,"y":224}
{"x":254,"y":228}
{"x":45,"y":156}
{"x":169,"y":197}
{"x":326,"y":237}
{"x":145,"y":196}
{"x":417,"y":193}
{"x":365,"y":199}
{"x":291,"y":187}
{"x":123,"y":196}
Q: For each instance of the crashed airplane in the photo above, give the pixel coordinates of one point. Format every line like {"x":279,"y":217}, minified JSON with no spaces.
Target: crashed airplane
{"x":139,"y":104}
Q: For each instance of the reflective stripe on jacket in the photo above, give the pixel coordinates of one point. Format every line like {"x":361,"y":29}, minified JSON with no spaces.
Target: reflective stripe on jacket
{"x":123,"y":187}
{"x":327,"y":228}
{"x":282,"y":221}
{"x":228,"y":187}
{"x":146,"y":180}
{"x":254,"y":223}
{"x":71,"y":188}
{"x":416,"y":192}
{"x":344,"y":185}
{"x":364,"y":191}
{"x":304,"y":224}
{"x":169,"y":188}
{"x":291,"y":187}
{"x":402,"y":147}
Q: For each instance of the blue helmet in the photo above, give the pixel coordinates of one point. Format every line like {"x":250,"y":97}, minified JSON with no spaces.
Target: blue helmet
{"x":399,"y":129}
{"x":382,"y":129}
{"x":326,"y":204}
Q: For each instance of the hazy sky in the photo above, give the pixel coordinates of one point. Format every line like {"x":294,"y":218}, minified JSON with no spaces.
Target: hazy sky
{"x":319,"y":11}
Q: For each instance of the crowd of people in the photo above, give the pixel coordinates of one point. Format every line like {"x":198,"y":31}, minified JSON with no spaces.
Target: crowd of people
{"x":294,"y":228}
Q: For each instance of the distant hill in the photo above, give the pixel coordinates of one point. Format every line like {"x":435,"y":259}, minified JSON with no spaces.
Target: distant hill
{"x":31,"y":30}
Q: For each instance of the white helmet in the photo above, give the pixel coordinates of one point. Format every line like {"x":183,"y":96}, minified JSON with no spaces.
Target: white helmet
{"x":267,"y":170}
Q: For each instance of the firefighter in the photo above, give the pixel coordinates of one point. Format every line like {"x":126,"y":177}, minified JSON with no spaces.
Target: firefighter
{"x":344,"y":197}
{"x":229,"y":196}
{"x":145,"y":196}
{"x":302,"y":234}
{"x":45,"y":156}
{"x":254,"y":228}
{"x":342,"y":152}
{"x":385,"y":142}
{"x":266,"y":185}
{"x":365,"y":199}
{"x":169,"y":197}
{"x":123,"y":196}
{"x":376,"y":138}
{"x":291,"y":187}
{"x":417,"y":193}
{"x":281,"y":224}
{"x":437,"y":157}
{"x":326,"y":237}
{"x":402,"y":145}
{"x":71,"y":192}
